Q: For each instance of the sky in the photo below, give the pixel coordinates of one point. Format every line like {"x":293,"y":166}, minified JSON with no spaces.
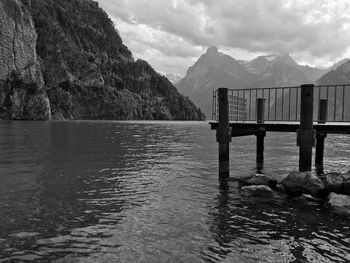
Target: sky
{"x":172,"y":34}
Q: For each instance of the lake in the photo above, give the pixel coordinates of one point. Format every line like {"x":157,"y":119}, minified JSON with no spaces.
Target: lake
{"x":108,"y":191}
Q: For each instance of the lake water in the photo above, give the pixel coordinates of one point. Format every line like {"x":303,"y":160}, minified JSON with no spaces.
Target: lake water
{"x":149,"y":192}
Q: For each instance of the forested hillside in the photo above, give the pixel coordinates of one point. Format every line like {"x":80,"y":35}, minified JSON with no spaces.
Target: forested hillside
{"x":90,"y":74}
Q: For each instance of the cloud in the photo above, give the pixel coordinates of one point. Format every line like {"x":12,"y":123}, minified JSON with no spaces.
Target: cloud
{"x":178,"y":29}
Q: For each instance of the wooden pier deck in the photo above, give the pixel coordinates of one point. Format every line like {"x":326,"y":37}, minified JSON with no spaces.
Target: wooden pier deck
{"x":251,"y":128}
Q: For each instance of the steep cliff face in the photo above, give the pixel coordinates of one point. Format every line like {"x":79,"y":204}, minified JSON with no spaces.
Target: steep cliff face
{"x":90,"y":74}
{"x":22,"y":94}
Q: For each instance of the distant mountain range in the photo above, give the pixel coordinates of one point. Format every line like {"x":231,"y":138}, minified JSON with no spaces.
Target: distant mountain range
{"x":215,"y":69}
{"x":173,"y":78}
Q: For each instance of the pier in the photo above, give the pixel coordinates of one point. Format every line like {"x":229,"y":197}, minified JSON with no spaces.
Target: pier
{"x":311,"y":112}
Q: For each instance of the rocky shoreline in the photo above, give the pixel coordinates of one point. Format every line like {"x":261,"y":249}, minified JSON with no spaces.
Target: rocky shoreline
{"x":330,"y":191}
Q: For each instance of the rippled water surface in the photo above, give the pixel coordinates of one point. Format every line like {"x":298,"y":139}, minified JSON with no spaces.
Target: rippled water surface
{"x":148,"y":192}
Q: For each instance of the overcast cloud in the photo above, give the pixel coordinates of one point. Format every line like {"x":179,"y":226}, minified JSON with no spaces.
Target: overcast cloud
{"x":172,"y":34}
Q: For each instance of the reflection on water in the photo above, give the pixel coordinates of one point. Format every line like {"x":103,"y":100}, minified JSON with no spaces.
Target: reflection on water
{"x":148,"y":192}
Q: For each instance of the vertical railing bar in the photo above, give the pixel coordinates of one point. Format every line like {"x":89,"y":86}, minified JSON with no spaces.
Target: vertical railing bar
{"x":237,"y":106}
{"x":335,"y":102}
{"x":263,"y":96}
{"x":268,"y":107}
{"x":290,"y":94}
{"x":296,"y":105}
{"x":213,"y":105}
{"x":244,"y":106}
{"x":250,"y":104}
{"x":275,"y":104}
{"x":256,"y":99}
{"x":230,"y":103}
{"x":343,"y":112}
{"x":282,"y":103}
{"x":327,"y":95}
{"x":320,"y":96}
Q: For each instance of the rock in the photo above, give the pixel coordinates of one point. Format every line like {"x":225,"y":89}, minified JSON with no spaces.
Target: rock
{"x":334,"y":182}
{"x":22,"y":94}
{"x":260,"y":179}
{"x":307,"y":200}
{"x":257,"y":191}
{"x":347,"y":187}
{"x":338,"y":183}
{"x":303,"y":183}
{"x":340,"y":204}
{"x":280,"y":188}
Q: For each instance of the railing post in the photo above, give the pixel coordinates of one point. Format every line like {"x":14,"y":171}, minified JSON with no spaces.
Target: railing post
{"x":223,"y":134}
{"x":322,"y":111}
{"x":260,"y":135}
{"x":306,"y":135}
{"x":320,"y":135}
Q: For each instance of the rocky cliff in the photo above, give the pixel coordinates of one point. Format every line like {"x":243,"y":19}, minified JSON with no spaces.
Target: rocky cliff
{"x":22,"y":94}
{"x":71,"y":51}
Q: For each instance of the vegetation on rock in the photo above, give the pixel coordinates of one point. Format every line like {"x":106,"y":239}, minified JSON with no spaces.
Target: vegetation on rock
{"x":90,"y":74}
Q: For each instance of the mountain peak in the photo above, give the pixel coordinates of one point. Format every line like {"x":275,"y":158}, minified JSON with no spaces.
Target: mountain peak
{"x":212,"y":50}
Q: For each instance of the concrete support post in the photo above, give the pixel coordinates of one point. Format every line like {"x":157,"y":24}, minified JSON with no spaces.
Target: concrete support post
{"x":320,"y":136}
{"x":223,"y":134}
{"x":306,"y":134}
{"x":260,"y":135}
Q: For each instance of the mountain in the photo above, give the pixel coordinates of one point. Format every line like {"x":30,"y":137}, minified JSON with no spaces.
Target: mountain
{"x":338,"y":64}
{"x":341,"y":75}
{"x":211,"y":71}
{"x":87,"y":72}
{"x":173,"y":78}
{"x":264,"y":65}
{"x":312,"y":73}
{"x":276,"y":71}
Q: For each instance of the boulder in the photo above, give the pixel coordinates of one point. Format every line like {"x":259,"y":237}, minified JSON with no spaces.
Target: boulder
{"x":261,"y":179}
{"x":339,"y":204}
{"x":298,"y":183}
{"x":334,"y":182}
{"x":257,"y":191}
{"x":306,"y":200}
{"x":280,"y":188}
{"x":337,"y":183}
{"x":347,"y":187}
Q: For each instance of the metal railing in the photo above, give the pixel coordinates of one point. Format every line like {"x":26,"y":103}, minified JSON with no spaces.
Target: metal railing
{"x":283,"y":103}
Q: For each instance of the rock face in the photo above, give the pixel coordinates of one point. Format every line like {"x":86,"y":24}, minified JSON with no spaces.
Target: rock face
{"x":303,"y":183}
{"x":340,"y":204}
{"x":22,"y":94}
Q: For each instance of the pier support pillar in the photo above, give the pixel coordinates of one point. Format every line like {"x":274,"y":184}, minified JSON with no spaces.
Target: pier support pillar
{"x":306,"y":134}
{"x":320,"y":135}
{"x":260,"y":135}
{"x":223,"y":134}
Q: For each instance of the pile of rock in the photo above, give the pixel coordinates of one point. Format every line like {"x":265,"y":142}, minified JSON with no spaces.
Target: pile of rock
{"x":331,"y":190}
